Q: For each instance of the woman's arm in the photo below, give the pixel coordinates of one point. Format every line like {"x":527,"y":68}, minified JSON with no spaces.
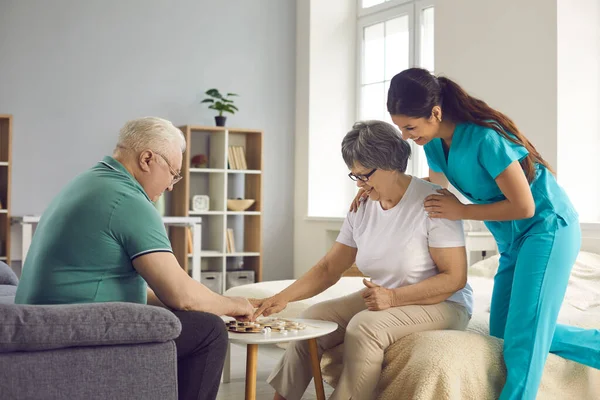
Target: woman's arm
{"x":512,"y":182}
{"x":452,"y":276}
{"x":519,"y":202}
{"x":452,"y":266}
{"x":323,"y":275}
{"x":438,"y":178}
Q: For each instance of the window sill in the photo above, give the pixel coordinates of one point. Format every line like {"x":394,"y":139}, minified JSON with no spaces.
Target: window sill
{"x":337,"y":220}
{"x":590,"y":225}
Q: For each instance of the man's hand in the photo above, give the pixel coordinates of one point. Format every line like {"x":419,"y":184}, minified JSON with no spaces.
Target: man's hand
{"x":377,"y":298}
{"x":268,"y":306}
{"x":242,"y":309}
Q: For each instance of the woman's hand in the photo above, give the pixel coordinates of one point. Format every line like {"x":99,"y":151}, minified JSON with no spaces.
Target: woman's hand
{"x":268,"y":306}
{"x":444,"y":205}
{"x":360,"y":197}
{"x":377,"y":298}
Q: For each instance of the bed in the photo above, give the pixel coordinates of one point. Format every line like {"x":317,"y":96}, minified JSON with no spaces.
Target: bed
{"x":453,"y":365}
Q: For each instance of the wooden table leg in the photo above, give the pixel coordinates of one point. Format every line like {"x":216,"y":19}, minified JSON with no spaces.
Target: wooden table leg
{"x":316,"y":368}
{"x":251,"y":362}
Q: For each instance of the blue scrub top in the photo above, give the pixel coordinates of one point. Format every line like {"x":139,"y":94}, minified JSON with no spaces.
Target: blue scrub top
{"x":476,"y":157}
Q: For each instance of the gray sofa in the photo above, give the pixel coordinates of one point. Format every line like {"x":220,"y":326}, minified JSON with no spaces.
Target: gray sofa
{"x":85,"y":351}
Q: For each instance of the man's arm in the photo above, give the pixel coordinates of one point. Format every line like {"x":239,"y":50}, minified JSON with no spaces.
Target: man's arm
{"x":153,"y":300}
{"x":175,"y":289}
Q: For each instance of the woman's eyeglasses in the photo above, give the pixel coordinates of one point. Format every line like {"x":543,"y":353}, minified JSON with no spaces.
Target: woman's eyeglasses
{"x":363,"y":178}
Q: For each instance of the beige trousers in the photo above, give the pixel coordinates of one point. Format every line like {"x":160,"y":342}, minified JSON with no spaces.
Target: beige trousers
{"x":366,"y":335}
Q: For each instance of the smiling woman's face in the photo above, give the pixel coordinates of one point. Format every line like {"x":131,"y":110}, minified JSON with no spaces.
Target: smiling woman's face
{"x":366,"y":179}
{"x":419,"y":130}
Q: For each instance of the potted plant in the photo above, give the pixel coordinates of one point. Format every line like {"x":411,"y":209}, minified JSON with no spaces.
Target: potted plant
{"x":220,"y":103}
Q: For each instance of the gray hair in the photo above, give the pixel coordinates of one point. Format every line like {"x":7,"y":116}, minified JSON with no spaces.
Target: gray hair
{"x":150,"y":133}
{"x":376,"y":144}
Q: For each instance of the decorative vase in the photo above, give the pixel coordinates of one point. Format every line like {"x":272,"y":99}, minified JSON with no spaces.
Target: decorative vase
{"x":160,"y":205}
{"x":220,"y":120}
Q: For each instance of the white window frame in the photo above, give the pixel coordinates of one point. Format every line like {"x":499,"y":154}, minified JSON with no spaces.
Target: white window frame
{"x":381,"y":13}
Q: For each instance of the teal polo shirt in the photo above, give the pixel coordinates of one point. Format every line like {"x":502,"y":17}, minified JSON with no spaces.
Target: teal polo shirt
{"x":84,"y":245}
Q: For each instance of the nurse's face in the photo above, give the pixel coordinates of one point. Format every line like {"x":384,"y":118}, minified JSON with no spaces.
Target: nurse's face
{"x":420,"y":130}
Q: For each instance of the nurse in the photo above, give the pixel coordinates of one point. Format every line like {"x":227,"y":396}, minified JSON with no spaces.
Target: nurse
{"x":482,"y":153}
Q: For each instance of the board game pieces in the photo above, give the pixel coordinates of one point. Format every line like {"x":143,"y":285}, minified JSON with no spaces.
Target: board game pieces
{"x":265,"y":326}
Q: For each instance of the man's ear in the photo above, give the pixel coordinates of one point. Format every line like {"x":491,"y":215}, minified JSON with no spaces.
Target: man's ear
{"x":144,"y":160}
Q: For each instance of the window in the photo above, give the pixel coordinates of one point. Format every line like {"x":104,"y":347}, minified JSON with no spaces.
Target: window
{"x":352,"y":52}
{"x":392,"y":36}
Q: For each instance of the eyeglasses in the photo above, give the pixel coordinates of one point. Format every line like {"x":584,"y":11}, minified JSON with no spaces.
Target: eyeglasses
{"x":176,"y":176}
{"x":363,"y":178}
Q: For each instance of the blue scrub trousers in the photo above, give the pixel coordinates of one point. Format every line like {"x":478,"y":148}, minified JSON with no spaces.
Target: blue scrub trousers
{"x":529,"y":289}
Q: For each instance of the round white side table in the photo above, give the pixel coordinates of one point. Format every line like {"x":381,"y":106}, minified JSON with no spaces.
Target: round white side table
{"x":313,"y":330}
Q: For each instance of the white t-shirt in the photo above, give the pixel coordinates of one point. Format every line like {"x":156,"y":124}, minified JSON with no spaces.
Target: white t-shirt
{"x":393,"y":245}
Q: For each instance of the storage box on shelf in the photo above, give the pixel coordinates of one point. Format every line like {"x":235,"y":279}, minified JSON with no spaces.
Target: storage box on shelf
{"x":5,"y":183}
{"x":232,"y":169}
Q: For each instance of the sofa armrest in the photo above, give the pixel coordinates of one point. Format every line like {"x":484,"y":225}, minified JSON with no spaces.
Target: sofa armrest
{"x":45,"y":327}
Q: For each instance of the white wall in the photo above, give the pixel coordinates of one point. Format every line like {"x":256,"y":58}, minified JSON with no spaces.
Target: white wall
{"x":332,"y":102}
{"x":579,"y":103}
{"x":72,"y":72}
{"x":505,"y":53}
{"x":325,"y":106}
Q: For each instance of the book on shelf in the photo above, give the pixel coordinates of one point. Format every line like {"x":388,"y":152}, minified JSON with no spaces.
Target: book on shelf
{"x":241,"y":157}
{"x":230,"y":241}
{"x":231,"y":158}
{"x":190,"y":241}
{"x":236,"y":157}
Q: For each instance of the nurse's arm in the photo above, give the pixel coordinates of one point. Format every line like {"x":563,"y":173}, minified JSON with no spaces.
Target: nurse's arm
{"x":519,"y":202}
{"x":438,"y":178}
{"x":452,"y":266}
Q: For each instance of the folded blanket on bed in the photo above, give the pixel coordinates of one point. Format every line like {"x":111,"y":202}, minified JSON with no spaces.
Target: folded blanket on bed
{"x":455,"y":365}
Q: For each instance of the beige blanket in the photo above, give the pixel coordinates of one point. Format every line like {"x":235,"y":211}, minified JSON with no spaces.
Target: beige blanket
{"x":453,"y":365}
{"x":450,"y":365}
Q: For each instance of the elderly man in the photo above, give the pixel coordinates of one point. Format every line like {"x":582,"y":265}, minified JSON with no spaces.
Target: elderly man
{"x":101,"y":239}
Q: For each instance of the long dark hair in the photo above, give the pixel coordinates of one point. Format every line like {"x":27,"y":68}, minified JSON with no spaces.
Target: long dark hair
{"x":415,"y":91}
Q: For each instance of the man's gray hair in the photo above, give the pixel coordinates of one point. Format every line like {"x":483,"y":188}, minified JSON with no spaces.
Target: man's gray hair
{"x":376,"y":144}
{"x":151,"y":133}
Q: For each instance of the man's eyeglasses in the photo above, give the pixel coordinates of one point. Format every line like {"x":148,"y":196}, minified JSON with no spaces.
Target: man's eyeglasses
{"x":363,"y":178}
{"x":176,"y":176}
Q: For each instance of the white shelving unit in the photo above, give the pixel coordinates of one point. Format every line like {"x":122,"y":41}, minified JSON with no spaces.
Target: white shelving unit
{"x":220,"y":182}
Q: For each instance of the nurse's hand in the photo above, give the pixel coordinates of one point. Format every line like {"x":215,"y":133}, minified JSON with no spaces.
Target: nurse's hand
{"x":444,"y":205}
{"x":376,"y":297}
{"x":359,"y":198}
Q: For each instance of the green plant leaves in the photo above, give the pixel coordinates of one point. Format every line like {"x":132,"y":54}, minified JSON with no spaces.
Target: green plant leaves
{"x":219,"y":102}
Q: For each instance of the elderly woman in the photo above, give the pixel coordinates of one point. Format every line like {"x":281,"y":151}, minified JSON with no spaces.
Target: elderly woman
{"x":417,"y":267}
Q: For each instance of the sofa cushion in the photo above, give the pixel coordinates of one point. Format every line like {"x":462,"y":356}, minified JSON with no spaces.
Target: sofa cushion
{"x":7,"y":275}
{"x":7,"y":294}
{"x":44,"y":327}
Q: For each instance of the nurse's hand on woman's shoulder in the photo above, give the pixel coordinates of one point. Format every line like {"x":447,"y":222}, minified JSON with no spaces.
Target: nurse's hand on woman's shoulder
{"x":359,"y":198}
{"x":444,"y":205}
